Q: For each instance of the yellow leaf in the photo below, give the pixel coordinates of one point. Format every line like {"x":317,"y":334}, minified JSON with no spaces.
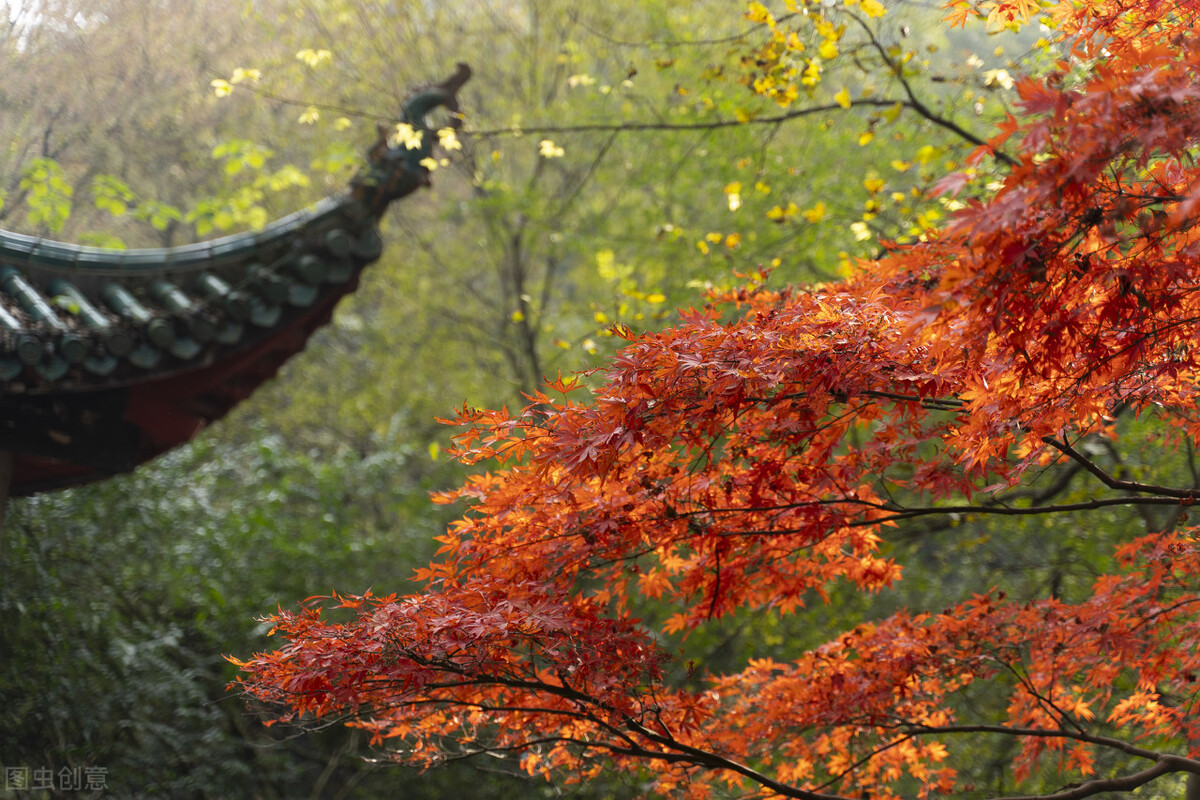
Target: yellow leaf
{"x":998,"y":77}
{"x":873,"y":185}
{"x":408,"y":136}
{"x":816,"y":213}
{"x":606,"y":264}
{"x":826,"y":28}
{"x":843,"y":98}
{"x":314,"y":58}
{"x":865,"y":138}
{"x":901,"y":166}
{"x":781,"y":214}
{"x":828,"y":49}
{"x":656,"y":297}
{"x":925,"y":220}
{"x":240,"y":74}
{"x":812,"y":73}
{"x":873,"y":8}
{"x":221,"y":88}
{"x":845,"y":265}
{"x":733,"y":240}
{"x":714,"y":237}
{"x":518,"y":316}
{"x":702,"y":247}
{"x":758,"y":13}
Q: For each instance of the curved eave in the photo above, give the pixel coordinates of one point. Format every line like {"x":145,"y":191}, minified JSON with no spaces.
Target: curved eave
{"x":71,"y":438}
{"x":109,"y":357}
{"x":81,"y":319}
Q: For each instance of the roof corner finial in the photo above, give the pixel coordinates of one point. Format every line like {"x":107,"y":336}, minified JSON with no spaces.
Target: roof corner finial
{"x":396,"y":170}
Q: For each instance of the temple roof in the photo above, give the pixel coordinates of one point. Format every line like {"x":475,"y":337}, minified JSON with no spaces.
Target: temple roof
{"x":110,"y":357}
{"x":80,"y":318}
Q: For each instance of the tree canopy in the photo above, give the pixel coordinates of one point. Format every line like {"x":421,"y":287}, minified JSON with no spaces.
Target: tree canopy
{"x":764,"y":452}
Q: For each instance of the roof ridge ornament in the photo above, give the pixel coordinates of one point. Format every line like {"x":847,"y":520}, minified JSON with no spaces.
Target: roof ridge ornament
{"x":110,"y":357}
{"x":394,"y":171}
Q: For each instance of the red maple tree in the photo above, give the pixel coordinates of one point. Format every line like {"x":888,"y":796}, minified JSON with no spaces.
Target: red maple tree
{"x":746,"y":458}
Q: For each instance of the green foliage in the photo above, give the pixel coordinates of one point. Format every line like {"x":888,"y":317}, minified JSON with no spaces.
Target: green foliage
{"x":121,"y":598}
{"x":100,"y":239}
{"x":241,"y":154}
{"x":115,"y":197}
{"x":112,"y":195}
{"x":159,"y":215}
{"x":340,"y":159}
{"x":48,"y":194}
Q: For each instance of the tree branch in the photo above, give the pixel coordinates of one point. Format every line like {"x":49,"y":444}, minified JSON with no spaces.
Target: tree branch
{"x":1188,"y":764}
{"x":1117,"y":483}
{"x":772,"y":119}
{"x":912,"y":103}
{"x":705,"y":758}
{"x":899,"y":512}
{"x":920,"y":108}
{"x":1122,"y":784}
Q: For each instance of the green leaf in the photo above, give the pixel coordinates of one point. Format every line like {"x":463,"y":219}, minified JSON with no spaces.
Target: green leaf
{"x":100,"y":239}
{"x":49,"y":194}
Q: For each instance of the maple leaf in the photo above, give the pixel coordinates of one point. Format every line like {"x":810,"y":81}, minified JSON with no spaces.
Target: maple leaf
{"x":950,"y":184}
{"x":961,"y":12}
{"x":754,"y":459}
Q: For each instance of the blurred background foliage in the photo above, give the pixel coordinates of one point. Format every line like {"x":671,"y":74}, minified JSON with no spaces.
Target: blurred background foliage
{"x":614,"y":166}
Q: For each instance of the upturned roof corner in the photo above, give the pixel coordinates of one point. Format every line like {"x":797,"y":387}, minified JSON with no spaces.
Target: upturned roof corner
{"x":111,"y":357}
